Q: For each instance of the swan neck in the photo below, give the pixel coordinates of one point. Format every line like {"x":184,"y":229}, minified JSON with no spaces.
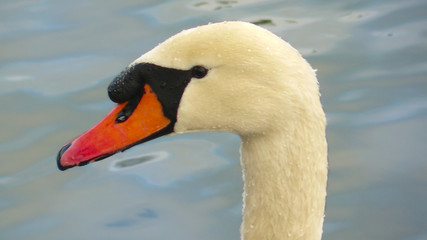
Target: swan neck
{"x":284,"y":185}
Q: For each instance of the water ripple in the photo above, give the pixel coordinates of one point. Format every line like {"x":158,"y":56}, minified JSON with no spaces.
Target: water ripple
{"x":125,"y":163}
{"x":386,"y":114}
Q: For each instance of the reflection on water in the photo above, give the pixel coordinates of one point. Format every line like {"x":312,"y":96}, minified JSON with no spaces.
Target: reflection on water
{"x":135,"y":161}
{"x":57,"y":58}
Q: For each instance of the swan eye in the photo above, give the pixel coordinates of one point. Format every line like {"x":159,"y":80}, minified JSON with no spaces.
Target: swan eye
{"x":199,"y":71}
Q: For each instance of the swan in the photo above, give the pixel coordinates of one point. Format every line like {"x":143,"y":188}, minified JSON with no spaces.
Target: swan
{"x":234,"y":77}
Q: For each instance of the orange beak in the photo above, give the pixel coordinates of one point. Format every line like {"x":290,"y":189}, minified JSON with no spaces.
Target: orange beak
{"x":108,"y":136}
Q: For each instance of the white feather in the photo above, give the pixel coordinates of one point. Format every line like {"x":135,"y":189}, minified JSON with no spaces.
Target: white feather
{"x":259,"y":87}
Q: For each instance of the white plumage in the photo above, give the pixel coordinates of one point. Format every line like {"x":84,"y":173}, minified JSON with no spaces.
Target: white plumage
{"x":259,"y":87}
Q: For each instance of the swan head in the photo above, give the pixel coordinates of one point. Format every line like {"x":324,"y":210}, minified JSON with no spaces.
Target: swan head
{"x":229,"y":76}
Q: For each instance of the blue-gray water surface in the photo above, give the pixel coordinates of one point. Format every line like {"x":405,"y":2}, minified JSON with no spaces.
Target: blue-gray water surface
{"x":58,"y":57}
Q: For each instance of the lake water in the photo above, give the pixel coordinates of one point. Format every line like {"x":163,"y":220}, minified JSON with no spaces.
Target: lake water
{"x":58,"y":57}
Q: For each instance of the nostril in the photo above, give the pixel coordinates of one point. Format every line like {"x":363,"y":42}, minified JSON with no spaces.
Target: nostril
{"x":127,"y":111}
{"x":60,"y":153}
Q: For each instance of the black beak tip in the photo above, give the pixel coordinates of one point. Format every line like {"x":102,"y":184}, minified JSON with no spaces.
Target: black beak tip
{"x":58,"y":158}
